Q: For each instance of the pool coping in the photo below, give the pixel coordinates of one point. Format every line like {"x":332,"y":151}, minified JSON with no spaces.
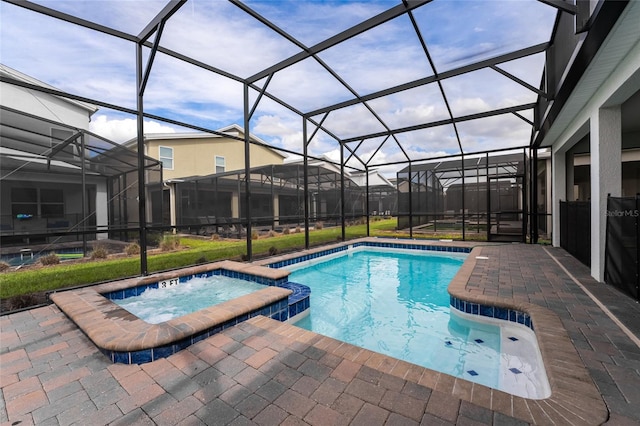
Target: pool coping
{"x":574,"y":398}
{"x":124,"y":337}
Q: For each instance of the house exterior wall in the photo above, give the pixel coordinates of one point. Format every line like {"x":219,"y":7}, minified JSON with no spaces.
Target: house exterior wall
{"x":196,"y":156}
{"x":589,"y":110}
{"x":45,"y":106}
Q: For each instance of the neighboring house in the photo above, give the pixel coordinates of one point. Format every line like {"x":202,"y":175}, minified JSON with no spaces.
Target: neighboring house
{"x":195,"y":154}
{"x":40,"y":189}
{"x":58,"y":181}
{"x":68,"y":112}
{"x":382,"y":192}
{"x":216,"y":202}
{"x":383,"y":198}
{"x":202,"y":154}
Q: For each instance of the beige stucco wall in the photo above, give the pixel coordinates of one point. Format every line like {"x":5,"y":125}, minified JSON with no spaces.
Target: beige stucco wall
{"x":196,"y":157}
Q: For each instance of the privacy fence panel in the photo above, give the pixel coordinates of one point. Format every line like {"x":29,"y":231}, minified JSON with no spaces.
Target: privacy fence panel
{"x":575,"y":229}
{"x":621,"y":253}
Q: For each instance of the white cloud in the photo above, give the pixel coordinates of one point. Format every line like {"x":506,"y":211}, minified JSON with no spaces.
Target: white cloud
{"x":279,"y":132}
{"x":122,"y":130}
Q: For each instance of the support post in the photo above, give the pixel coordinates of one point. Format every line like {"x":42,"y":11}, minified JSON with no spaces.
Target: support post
{"x":534,"y":198}
{"x":524,"y":197}
{"x":463,"y":206}
{"x":559,"y":191}
{"x":488,"y":196}
{"x":305,"y":172}
{"x":83,"y":228}
{"x":410,"y":202}
{"x":247,"y":172}
{"x":342,"y":210}
{"x":606,"y":178}
{"x":366,"y":174}
{"x":142,"y":198}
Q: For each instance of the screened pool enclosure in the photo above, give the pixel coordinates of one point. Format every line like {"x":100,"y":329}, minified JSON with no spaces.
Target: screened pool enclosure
{"x":61,"y":184}
{"x":434,"y":128}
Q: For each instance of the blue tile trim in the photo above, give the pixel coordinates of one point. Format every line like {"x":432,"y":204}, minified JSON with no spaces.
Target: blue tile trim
{"x":278,"y":310}
{"x":505,"y":314}
{"x":293,"y":261}
{"x":287,"y":262}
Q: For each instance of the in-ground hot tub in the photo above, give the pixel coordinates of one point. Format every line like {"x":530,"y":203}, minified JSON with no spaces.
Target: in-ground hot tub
{"x":125,"y":338}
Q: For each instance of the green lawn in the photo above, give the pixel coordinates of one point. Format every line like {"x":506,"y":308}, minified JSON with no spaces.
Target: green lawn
{"x":195,"y":251}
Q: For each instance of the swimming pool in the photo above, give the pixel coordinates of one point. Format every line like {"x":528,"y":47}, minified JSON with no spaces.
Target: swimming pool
{"x":27,"y":256}
{"x":395,"y":302}
{"x":156,"y":305}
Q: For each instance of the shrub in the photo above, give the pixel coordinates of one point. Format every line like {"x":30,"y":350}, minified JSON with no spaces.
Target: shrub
{"x":286,"y":231}
{"x":319,"y":225}
{"x":4,"y":266}
{"x":273,"y":251}
{"x":50,"y":259}
{"x":271,"y":233}
{"x":169,"y":242}
{"x":154,"y":238}
{"x":22,"y":301}
{"x":215,"y":237}
{"x":297,"y":229}
{"x":99,"y":252}
{"x":132,"y":249}
{"x":254,"y":235}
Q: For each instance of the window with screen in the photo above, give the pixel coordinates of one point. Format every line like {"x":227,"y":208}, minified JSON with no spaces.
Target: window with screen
{"x":34,"y":202}
{"x":24,"y":201}
{"x":166,"y":157}
{"x":220,"y":164}
{"x":51,"y":202}
{"x":68,"y":150}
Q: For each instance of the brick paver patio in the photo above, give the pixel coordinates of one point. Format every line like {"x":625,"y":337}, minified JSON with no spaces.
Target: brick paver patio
{"x":267,"y":373}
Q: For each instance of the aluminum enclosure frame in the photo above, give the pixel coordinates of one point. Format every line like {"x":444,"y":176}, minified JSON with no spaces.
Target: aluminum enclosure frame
{"x":310,"y":119}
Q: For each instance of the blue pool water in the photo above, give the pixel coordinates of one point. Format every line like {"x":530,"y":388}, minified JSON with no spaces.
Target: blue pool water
{"x":27,"y":258}
{"x":396,"y":303}
{"x":162,"y":304}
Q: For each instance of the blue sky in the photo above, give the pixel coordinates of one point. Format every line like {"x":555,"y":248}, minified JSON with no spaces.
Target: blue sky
{"x":456,"y":33}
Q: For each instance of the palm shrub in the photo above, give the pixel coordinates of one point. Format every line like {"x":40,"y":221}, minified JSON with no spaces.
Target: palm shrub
{"x":132,"y":249}
{"x":99,"y":252}
{"x":169,"y":242}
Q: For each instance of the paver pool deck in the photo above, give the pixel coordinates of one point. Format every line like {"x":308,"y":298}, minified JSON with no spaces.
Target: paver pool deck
{"x":268,"y":373}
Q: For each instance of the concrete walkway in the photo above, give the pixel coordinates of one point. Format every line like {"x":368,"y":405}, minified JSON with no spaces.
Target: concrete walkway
{"x":268,"y":373}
